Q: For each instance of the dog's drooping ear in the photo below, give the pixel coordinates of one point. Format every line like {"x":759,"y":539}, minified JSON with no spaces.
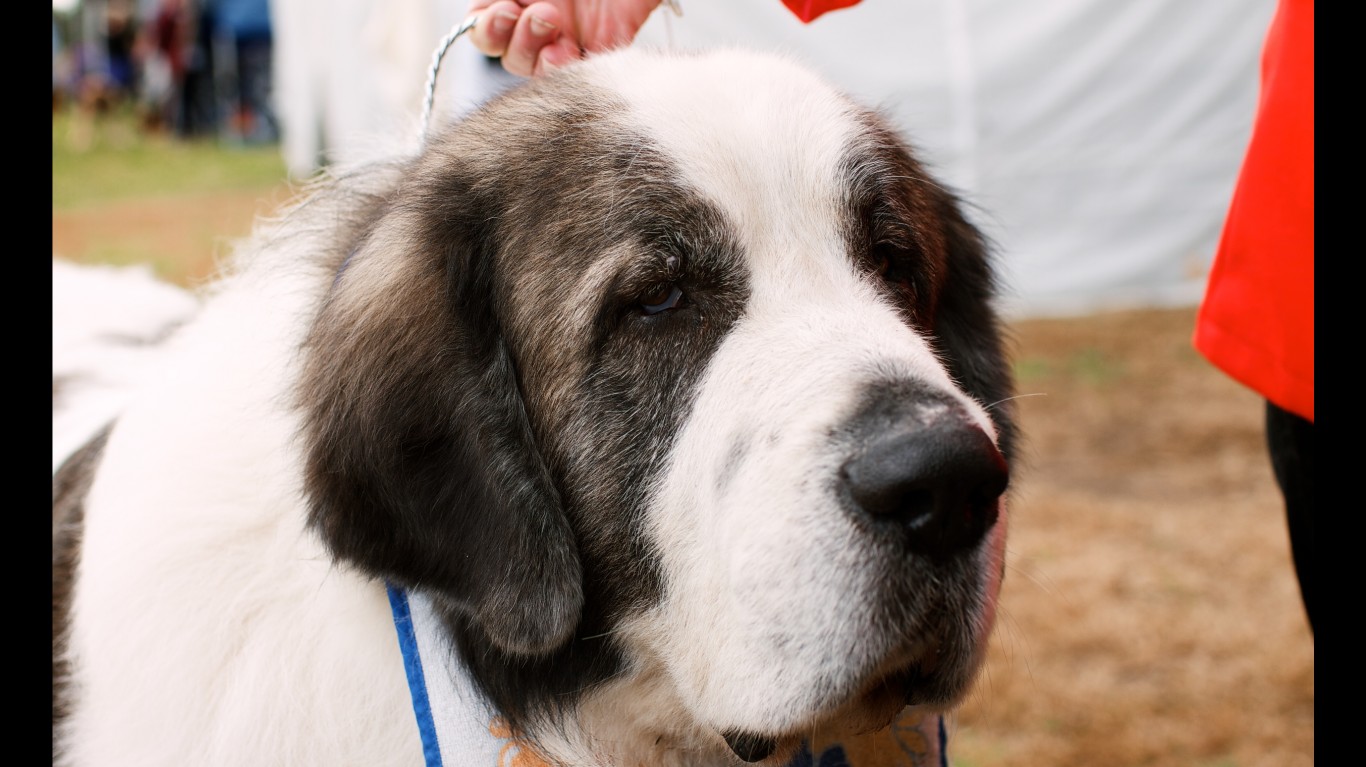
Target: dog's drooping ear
{"x":967,"y":328}
{"x":422,"y":467}
{"x":950,"y":285}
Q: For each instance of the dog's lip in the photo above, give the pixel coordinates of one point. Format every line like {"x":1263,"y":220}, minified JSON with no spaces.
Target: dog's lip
{"x":888,"y":693}
{"x":875,"y":706}
{"x":906,"y":671}
{"x":873,"y":709}
{"x":913,"y":675}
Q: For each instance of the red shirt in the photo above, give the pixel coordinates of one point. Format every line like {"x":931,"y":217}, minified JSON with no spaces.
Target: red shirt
{"x":1256,"y":322}
{"x":808,"y":10}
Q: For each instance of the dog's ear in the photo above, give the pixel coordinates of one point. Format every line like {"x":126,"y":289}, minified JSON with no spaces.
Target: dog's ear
{"x":944,"y":263}
{"x":422,"y":466}
{"x":969,"y":333}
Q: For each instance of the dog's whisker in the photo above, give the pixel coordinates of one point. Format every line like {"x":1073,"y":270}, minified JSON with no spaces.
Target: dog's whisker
{"x":1035,"y":578}
{"x":1017,"y":396}
{"x":618,"y":675}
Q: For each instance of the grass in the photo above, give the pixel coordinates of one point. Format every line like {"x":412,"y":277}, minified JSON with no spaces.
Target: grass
{"x":112,"y":160}
{"x":123,"y":195}
{"x":1089,"y":364}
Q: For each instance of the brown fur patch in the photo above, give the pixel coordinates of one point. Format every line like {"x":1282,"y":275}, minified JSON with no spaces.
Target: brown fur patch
{"x":70,"y":485}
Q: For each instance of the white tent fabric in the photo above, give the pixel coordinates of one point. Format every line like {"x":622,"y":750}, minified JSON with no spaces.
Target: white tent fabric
{"x":1097,"y":141}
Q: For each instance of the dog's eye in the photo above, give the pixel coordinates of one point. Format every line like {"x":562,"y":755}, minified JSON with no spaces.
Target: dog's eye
{"x":890,"y":264}
{"x":886,"y":263}
{"x":664,"y":298}
{"x":882,"y":263}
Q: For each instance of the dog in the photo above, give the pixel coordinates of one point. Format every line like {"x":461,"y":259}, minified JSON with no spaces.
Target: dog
{"x":107,"y":324}
{"x":670,"y":383}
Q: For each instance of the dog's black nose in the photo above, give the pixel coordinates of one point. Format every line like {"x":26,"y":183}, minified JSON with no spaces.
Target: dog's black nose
{"x":939,"y":481}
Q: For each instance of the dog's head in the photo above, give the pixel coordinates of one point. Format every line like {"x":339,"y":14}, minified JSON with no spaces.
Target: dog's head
{"x":678,"y":368}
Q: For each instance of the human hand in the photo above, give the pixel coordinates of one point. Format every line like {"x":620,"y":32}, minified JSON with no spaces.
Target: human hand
{"x":535,"y":36}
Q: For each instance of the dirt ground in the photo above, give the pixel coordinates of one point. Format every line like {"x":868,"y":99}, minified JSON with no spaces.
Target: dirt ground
{"x":1150,"y":614}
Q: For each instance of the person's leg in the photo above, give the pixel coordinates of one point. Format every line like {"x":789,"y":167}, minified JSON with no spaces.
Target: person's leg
{"x":254,"y":83}
{"x":1290,"y":441}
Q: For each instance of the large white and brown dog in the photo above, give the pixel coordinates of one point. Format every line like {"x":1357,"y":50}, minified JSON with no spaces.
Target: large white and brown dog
{"x":670,"y":384}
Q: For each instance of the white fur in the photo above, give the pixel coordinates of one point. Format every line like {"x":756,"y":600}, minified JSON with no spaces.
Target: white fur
{"x":106,"y":321}
{"x":296,"y":667}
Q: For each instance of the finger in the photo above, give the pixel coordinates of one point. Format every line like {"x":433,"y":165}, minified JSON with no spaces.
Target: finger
{"x":538,"y":27}
{"x":494,"y":30}
{"x":557,"y":54}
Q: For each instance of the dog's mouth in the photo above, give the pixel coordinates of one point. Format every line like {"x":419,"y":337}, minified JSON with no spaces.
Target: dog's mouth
{"x":919,"y":682}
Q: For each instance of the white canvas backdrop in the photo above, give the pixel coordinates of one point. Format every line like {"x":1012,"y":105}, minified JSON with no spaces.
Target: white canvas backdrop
{"x":1097,"y":141}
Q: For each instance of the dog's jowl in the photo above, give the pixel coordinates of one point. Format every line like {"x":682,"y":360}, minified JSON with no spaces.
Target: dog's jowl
{"x":657,"y":411}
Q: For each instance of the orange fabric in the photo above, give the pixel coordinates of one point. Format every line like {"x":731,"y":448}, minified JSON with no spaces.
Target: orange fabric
{"x":809,"y":10}
{"x":1256,"y":322}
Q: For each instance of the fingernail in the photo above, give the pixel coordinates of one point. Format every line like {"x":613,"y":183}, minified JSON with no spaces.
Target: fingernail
{"x":503,"y":22}
{"x":542,"y":28}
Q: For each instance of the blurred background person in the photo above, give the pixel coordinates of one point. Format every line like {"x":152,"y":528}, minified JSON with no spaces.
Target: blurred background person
{"x":164,"y":47}
{"x":102,"y":71}
{"x":242,"y":52}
